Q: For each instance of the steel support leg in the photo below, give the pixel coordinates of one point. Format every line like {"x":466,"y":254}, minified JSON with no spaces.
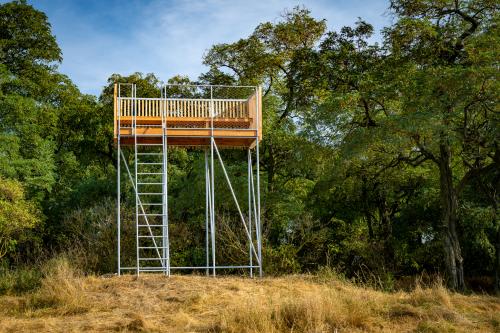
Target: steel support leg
{"x":134,"y":129}
{"x":118,"y":211}
{"x":212,"y":203}
{"x":250,"y":174}
{"x":208,"y":209}
{"x":165,"y":240}
{"x":258,"y":226}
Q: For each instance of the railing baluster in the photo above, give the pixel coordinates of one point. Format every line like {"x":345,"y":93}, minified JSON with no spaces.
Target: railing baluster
{"x":184,"y":108}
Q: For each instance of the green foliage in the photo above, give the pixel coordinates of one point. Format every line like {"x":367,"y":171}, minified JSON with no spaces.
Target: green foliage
{"x":375,"y":156}
{"x":16,"y":214}
{"x":26,"y":41}
{"x":19,"y":280}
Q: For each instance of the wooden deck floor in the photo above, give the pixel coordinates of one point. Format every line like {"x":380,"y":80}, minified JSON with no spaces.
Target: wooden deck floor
{"x":179,"y":135}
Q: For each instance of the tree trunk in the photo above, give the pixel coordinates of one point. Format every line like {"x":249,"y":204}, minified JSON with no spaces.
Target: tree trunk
{"x":366,"y":208}
{"x":449,"y":202}
{"x":497,"y":262}
{"x":496,"y":266}
{"x":386,"y":233}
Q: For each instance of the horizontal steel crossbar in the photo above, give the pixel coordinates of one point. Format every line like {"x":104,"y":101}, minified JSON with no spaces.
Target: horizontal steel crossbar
{"x":144,"y":269}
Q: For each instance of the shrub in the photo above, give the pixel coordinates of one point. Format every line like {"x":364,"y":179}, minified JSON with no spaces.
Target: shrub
{"x":19,"y":280}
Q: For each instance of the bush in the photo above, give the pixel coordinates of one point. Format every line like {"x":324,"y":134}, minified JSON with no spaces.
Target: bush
{"x":16,"y":214}
{"x":19,"y":280}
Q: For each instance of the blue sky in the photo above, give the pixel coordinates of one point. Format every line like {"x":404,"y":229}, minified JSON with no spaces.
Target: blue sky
{"x":169,"y":37}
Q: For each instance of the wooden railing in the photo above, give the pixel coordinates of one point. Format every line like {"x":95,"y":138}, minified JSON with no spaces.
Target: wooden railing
{"x":184,"y":108}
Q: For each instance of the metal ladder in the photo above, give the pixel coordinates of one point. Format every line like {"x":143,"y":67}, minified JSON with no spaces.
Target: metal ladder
{"x":151,"y":211}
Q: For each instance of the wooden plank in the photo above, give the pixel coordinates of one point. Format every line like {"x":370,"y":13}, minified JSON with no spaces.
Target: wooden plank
{"x":194,"y":132}
{"x":194,"y":142}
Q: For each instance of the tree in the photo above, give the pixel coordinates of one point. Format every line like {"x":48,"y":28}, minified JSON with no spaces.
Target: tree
{"x":16,"y":214}
{"x":446,"y":77}
{"x":267,"y":58}
{"x":27,"y":47}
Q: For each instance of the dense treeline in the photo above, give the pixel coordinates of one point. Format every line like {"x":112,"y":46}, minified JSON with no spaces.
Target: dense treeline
{"x":379,"y":159}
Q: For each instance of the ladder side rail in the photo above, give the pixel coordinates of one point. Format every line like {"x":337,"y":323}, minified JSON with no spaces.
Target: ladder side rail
{"x":134,"y":130}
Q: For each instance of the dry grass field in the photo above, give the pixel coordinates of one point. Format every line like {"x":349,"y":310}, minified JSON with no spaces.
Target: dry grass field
{"x":67,"y":302}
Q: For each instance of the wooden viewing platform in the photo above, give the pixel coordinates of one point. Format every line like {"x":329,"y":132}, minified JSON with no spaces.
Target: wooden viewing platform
{"x":190,"y":121}
{"x":211,"y":117}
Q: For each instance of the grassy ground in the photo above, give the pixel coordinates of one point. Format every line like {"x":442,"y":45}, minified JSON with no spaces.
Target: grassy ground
{"x":66,"y":302}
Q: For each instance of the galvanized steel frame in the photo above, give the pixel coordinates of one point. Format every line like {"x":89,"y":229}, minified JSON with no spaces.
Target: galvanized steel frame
{"x":251,"y":222}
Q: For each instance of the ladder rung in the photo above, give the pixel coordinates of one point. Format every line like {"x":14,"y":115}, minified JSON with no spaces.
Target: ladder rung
{"x":149,"y":236}
{"x":149,"y":193}
{"x":151,"y":225}
{"x":152,"y":204}
{"x":149,"y":154}
{"x":149,"y":163}
{"x":153,"y":259}
{"x":153,"y":247}
{"x":150,"y":173}
{"x":151,"y":214}
{"x":149,"y":183}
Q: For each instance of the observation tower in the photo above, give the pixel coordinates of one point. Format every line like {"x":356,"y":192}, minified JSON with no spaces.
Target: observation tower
{"x":206,"y":117}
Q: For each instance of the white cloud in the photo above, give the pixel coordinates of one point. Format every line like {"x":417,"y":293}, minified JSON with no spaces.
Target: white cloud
{"x":169,"y":38}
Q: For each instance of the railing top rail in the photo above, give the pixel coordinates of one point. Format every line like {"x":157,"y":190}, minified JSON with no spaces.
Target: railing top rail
{"x":184,"y":99}
{"x":206,"y":85}
{"x":217,"y":91}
